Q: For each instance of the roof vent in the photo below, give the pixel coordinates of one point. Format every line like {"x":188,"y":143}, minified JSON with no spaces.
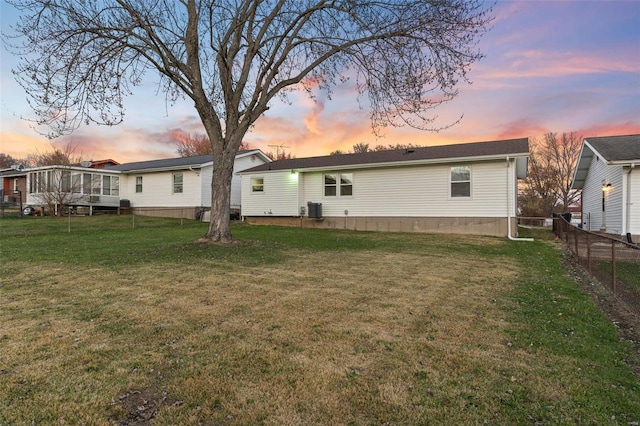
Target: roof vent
{"x":410,"y":150}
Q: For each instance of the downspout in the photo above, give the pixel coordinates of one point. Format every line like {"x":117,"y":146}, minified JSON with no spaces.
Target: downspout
{"x":628,"y":206}
{"x":509,"y":211}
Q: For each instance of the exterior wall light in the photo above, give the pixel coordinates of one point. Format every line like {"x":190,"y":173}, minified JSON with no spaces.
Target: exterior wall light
{"x":606,"y":188}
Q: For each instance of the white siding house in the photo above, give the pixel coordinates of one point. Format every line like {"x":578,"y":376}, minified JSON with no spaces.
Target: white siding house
{"x":466,"y":188}
{"x":179,"y":183}
{"x":608,"y":173}
{"x":170,"y":187}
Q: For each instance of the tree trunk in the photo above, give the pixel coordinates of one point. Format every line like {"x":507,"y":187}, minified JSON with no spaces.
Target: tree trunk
{"x":219,"y":231}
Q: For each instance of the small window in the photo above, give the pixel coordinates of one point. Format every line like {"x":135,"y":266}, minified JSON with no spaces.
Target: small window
{"x":330,"y":185}
{"x":461,"y":182}
{"x":138,"y":184}
{"x":110,"y":185}
{"x":177,"y":183}
{"x":257,"y":184}
{"x":346,"y":184}
{"x":95,"y":184}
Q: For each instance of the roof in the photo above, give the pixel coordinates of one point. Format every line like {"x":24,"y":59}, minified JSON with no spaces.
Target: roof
{"x":614,"y":150}
{"x":432,"y":154}
{"x":617,"y":148}
{"x":173,"y":163}
{"x":165,"y":163}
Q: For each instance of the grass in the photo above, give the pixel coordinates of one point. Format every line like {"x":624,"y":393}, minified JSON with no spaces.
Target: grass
{"x":111,"y":324}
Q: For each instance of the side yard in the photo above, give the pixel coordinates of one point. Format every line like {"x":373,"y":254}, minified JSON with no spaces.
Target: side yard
{"x":116,"y":324}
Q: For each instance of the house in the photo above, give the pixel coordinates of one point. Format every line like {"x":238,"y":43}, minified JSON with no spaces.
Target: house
{"x":179,"y":183}
{"x":179,"y":187}
{"x":13,"y":184}
{"x":608,"y":173}
{"x":467,"y":188}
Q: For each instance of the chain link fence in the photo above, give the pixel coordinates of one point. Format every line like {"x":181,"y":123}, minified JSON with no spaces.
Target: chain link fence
{"x":613,"y":261}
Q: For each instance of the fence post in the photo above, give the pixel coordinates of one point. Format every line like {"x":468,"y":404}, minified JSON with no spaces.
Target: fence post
{"x":575,"y":240}
{"x":588,"y":253}
{"x":613,"y":266}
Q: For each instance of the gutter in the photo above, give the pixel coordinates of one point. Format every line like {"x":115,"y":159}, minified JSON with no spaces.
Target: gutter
{"x":509,"y":210}
{"x":628,"y":206}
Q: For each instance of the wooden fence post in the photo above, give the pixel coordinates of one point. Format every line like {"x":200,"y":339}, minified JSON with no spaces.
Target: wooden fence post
{"x":588,"y":253}
{"x":613,"y":266}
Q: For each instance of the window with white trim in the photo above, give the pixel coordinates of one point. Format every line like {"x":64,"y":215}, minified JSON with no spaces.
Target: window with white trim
{"x":138,"y":184}
{"x":177,"y":183}
{"x":460,"y":182}
{"x":338,"y":184}
{"x":110,"y":185}
{"x":257,"y":185}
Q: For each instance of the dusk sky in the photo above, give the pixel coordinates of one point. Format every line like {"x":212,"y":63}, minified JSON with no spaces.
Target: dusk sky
{"x":559,"y":66}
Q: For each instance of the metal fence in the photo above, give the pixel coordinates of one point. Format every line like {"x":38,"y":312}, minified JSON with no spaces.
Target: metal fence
{"x":612,"y":261}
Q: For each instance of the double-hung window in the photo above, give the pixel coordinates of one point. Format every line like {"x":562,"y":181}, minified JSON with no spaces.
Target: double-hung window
{"x":257,"y":185}
{"x":177,"y":183}
{"x":138,"y":184}
{"x":110,"y":185}
{"x":460,"y":182}
{"x":338,"y":184}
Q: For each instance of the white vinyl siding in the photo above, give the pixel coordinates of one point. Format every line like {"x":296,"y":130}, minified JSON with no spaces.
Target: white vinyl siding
{"x":592,"y":219}
{"x":158,"y":190}
{"x":279,"y":198}
{"x":409,"y":191}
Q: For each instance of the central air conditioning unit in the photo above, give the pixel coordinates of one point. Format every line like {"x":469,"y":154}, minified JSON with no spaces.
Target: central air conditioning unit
{"x":94,"y":198}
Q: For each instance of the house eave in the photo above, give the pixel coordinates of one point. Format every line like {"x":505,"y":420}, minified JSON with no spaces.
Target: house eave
{"x":396,"y":163}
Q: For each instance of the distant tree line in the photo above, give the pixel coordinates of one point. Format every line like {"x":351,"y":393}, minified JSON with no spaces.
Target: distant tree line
{"x":362,"y":147}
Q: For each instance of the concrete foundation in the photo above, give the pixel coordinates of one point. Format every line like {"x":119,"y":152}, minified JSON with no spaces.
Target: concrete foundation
{"x":491,"y":226}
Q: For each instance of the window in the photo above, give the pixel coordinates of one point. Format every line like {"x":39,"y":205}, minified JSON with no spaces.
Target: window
{"x":95,"y":184}
{"x":76,"y":182}
{"x":177,"y":183}
{"x":460,"y":181}
{"x":257,"y":184}
{"x":65,"y":182}
{"x":86,"y":183}
{"x":110,"y":185}
{"x":346,"y":184}
{"x":341,"y":184}
{"x":330,"y":183}
{"x":138,"y":184}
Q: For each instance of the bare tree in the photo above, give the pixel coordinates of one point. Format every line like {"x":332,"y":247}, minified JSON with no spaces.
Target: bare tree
{"x":280,"y":154}
{"x":360,"y":147}
{"x":232,"y":58}
{"x":58,"y":155}
{"x":199,"y":144}
{"x":396,"y":146}
{"x":552,"y":162}
{"x":7,"y":161}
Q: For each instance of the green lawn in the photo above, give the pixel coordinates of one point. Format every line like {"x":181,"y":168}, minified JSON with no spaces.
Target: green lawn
{"x":107,"y":320}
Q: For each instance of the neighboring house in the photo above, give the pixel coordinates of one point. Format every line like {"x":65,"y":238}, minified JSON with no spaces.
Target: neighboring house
{"x":467,"y":188}
{"x":13,"y":185}
{"x":608,"y":173}
{"x":185,"y":182}
{"x":169,"y":187}
{"x":51,"y":187}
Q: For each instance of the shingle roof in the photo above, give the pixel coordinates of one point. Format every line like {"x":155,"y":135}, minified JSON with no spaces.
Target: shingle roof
{"x":617,"y":148}
{"x":466,"y":150}
{"x":167,"y":163}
